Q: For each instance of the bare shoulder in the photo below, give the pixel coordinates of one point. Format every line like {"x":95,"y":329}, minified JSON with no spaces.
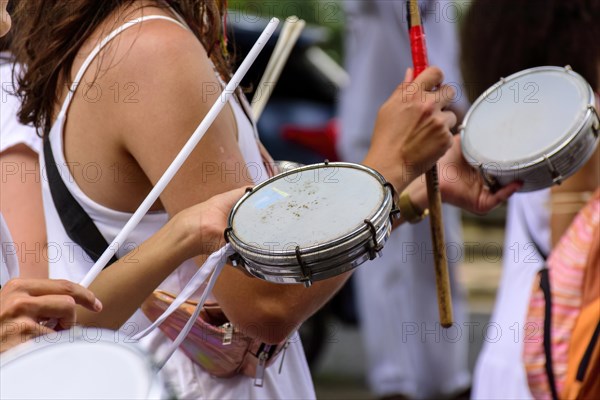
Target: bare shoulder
{"x":167,"y":68}
{"x":175,"y":87}
{"x":159,"y":51}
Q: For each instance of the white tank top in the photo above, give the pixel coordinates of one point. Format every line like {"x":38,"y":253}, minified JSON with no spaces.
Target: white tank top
{"x":68,"y":261}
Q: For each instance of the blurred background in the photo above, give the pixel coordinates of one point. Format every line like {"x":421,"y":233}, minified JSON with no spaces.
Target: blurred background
{"x":299,"y":124}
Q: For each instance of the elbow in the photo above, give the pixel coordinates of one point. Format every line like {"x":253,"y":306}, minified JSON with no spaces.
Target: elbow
{"x":276,"y":329}
{"x":269,"y":323}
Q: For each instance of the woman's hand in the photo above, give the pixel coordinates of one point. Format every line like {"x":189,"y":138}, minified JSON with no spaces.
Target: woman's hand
{"x":24,"y":303}
{"x":463,"y":186}
{"x":203,"y":225}
{"x":197,"y":230}
{"x":412,"y":130}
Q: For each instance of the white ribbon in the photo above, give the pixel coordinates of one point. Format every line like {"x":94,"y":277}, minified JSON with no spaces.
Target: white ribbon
{"x":220,"y":263}
{"x":211,"y":268}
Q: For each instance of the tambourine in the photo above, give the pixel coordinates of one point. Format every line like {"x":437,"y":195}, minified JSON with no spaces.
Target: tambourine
{"x":82,"y":363}
{"x":311,"y":223}
{"x":538,"y":126}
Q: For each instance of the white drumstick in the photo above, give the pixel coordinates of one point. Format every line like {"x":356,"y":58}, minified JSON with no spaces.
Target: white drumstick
{"x":182,"y":156}
{"x":290,"y":32}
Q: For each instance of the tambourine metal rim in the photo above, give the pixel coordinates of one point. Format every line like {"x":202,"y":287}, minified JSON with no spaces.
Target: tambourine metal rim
{"x":360,"y":230}
{"x":318,"y":261}
{"x":330,"y":267}
{"x":158,"y":388}
{"x":578,"y":129}
{"x":76,"y":334}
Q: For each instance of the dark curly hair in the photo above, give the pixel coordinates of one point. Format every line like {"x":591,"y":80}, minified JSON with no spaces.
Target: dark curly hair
{"x":501,"y":37}
{"x":48,"y":34}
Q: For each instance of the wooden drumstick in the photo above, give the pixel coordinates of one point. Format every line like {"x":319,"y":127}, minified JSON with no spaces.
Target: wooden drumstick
{"x":419,"y":56}
{"x":288,"y":36}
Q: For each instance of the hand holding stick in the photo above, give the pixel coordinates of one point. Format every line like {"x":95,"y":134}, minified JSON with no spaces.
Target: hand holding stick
{"x":420,"y":62}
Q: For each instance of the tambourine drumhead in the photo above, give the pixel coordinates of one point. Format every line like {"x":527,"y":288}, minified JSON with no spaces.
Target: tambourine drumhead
{"x":312,"y":223}
{"x":68,"y":365}
{"x":308,"y":208}
{"x":526,"y":120}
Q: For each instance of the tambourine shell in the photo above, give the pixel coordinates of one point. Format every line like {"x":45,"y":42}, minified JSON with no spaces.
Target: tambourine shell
{"x":536,"y":126}
{"x":326,"y":267}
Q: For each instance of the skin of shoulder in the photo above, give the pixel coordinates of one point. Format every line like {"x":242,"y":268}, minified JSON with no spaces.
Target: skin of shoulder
{"x":174,"y":86}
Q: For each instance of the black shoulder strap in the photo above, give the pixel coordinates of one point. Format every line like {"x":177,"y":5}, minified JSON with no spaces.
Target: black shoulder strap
{"x":587,"y":356}
{"x":585,"y":361}
{"x":77,"y":223}
{"x":545,"y":286}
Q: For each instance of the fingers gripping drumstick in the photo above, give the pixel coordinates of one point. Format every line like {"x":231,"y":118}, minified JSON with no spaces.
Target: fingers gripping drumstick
{"x":419,"y":56}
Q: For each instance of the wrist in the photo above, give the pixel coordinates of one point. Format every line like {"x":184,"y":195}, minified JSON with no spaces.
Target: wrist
{"x":399,"y":174}
{"x":196,"y":235}
{"x":412,"y":202}
{"x":417,"y":190}
{"x":180,"y":238}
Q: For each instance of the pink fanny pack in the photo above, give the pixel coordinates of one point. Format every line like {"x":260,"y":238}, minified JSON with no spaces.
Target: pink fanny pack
{"x":213,"y":343}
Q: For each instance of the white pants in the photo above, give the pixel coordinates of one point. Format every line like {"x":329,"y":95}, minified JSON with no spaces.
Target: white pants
{"x":407,"y":350}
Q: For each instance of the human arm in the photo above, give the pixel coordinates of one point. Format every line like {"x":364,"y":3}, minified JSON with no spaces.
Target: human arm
{"x":460,"y":184}
{"x":24,"y":303}
{"x":22,"y":208}
{"x":124,"y":285}
{"x":179,"y":100}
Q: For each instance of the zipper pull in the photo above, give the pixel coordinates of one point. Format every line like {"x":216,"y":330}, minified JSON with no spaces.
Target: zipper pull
{"x":285,"y":346}
{"x":228,"y":337}
{"x":261,"y":367}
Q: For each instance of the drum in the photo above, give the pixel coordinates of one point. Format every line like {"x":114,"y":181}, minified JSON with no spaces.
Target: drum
{"x":311,"y":223}
{"x":80,"y":364}
{"x":538,"y":126}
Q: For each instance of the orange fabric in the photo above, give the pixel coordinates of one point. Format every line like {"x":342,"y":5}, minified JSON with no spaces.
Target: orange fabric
{"x":584,"y":328}
{"x":574,"y":281}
